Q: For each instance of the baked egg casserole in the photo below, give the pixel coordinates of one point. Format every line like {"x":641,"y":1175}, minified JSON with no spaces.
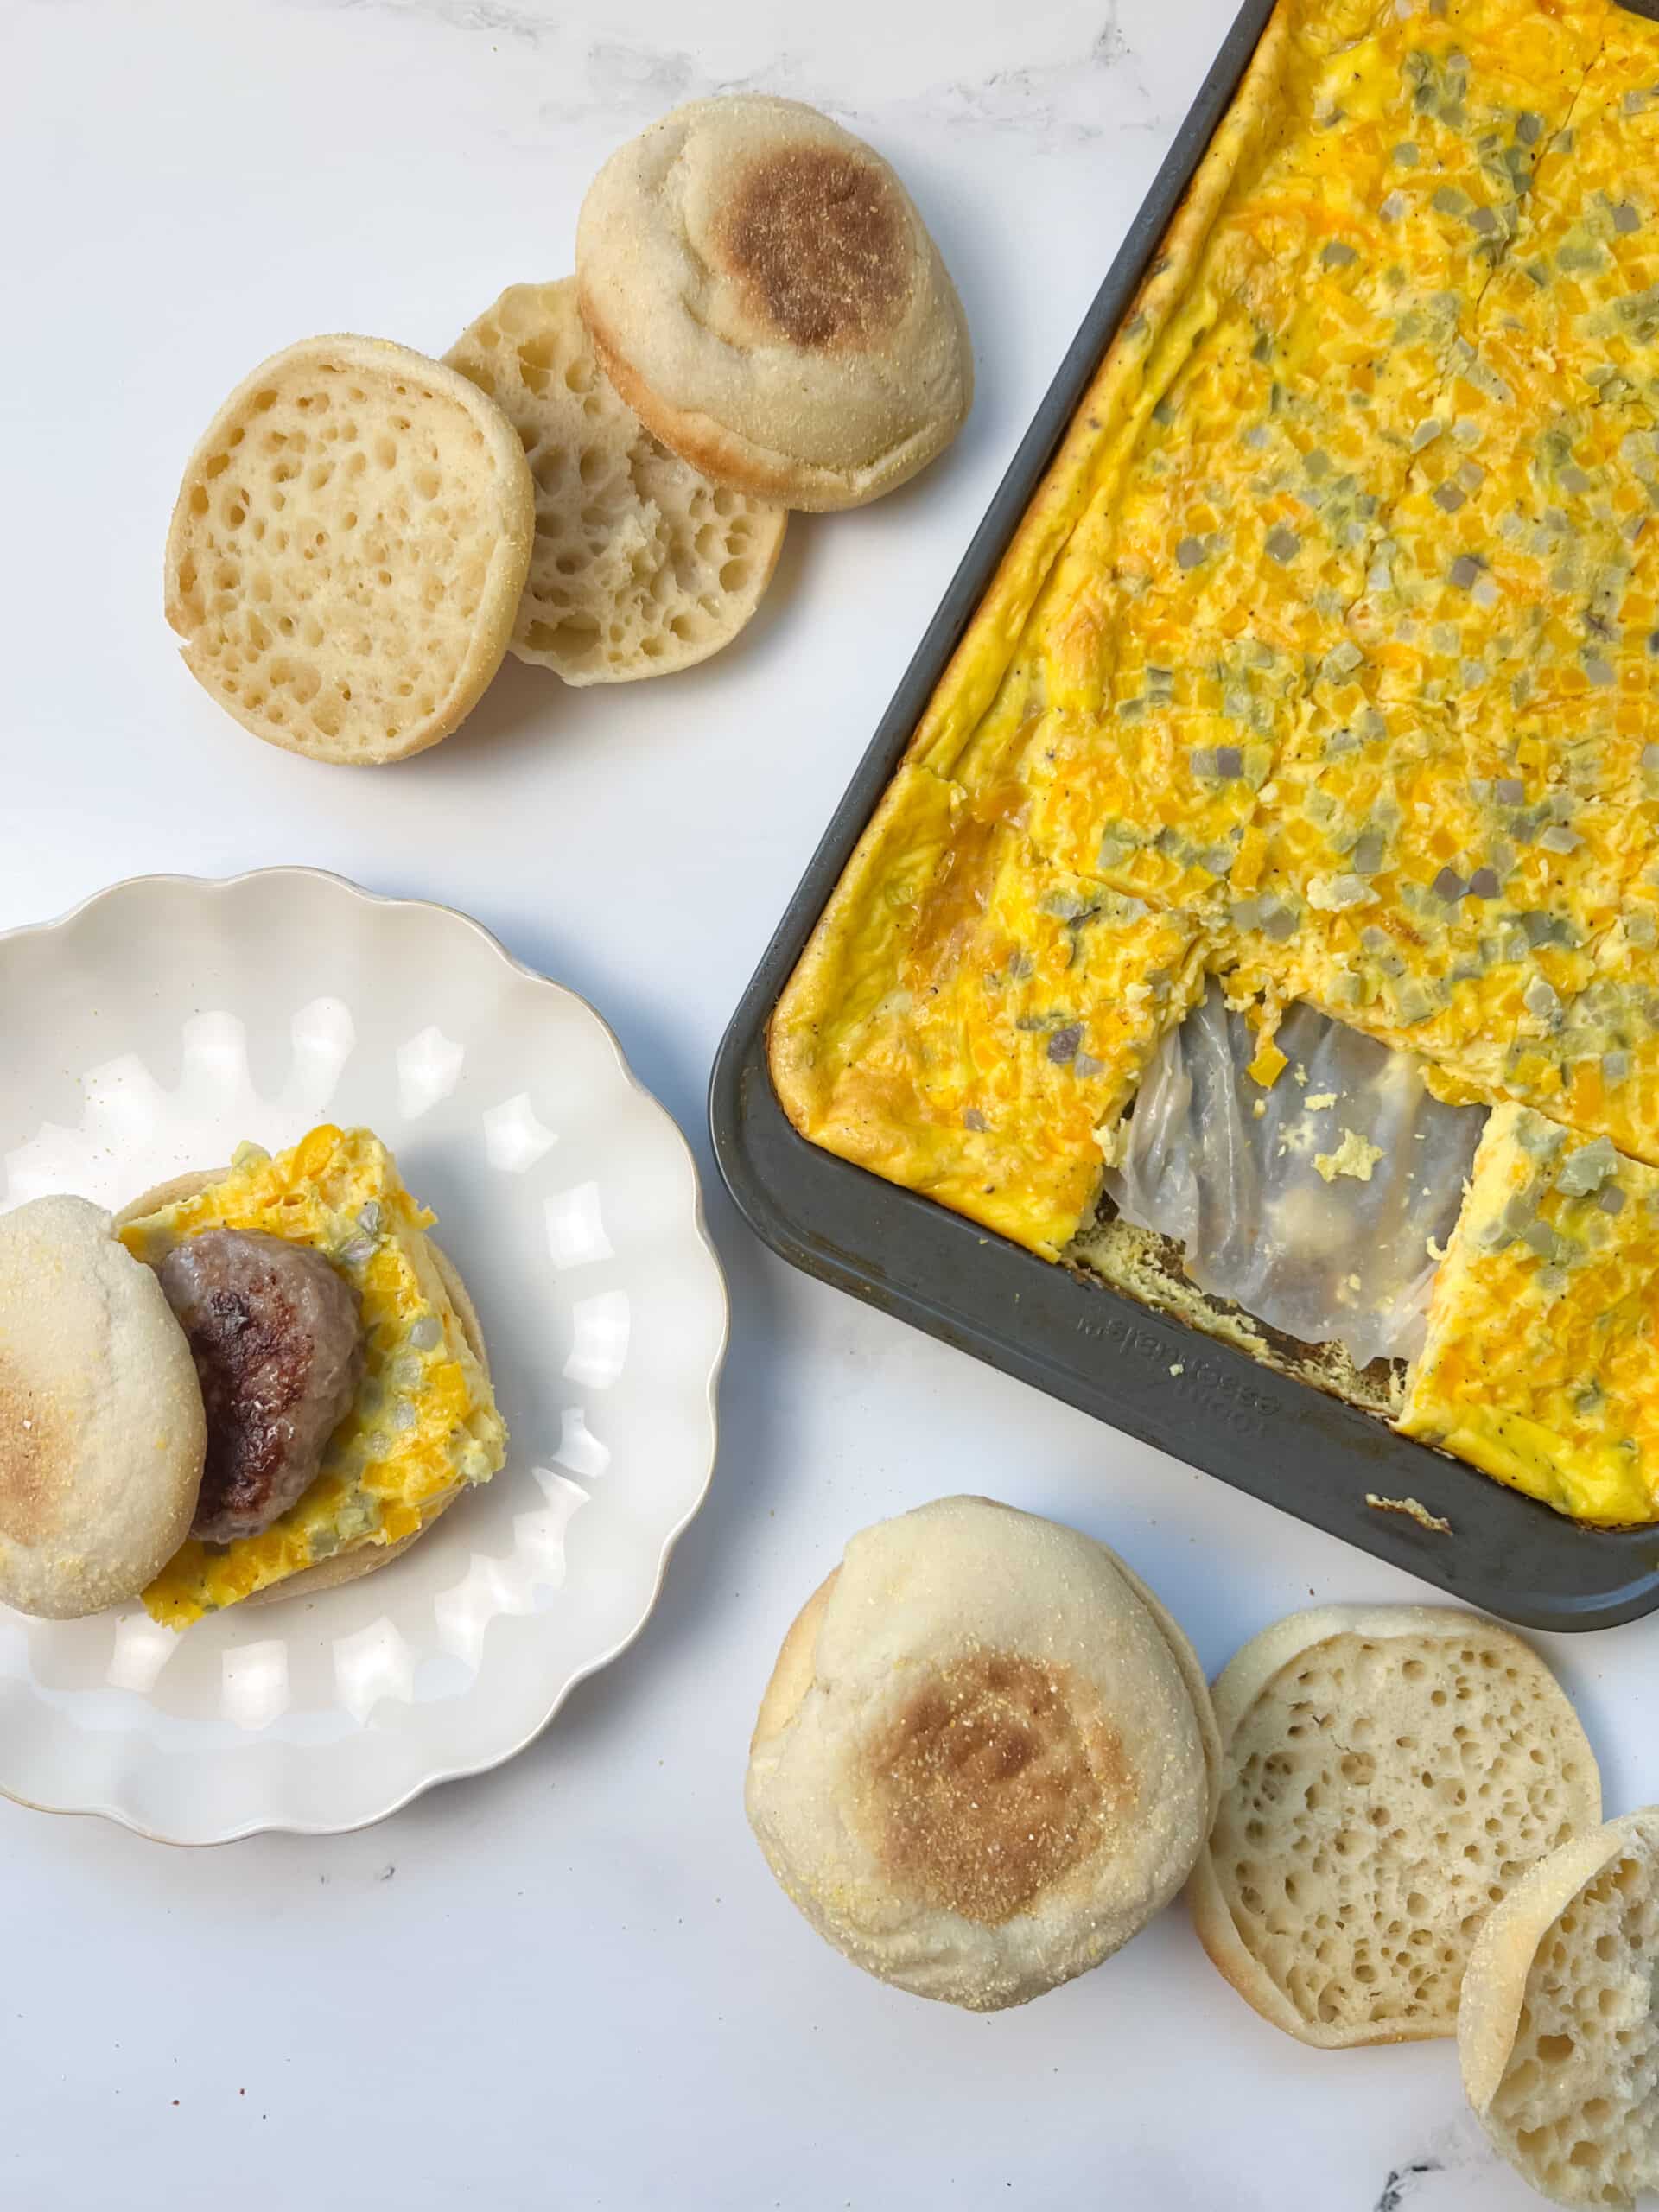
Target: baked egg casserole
{"x":1323,"y":662}
{"x":422,"y":1423}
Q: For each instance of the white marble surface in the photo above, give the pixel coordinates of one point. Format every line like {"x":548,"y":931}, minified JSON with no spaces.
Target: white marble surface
{"x":572,"y":1984}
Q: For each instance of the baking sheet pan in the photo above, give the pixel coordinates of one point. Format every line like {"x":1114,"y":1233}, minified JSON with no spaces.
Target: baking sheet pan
{"x":1143,"y":1371}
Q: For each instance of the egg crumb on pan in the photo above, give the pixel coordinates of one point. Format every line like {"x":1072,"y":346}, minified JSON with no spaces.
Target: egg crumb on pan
{"x":1323,"y":661}
{"x":423,"y":1422}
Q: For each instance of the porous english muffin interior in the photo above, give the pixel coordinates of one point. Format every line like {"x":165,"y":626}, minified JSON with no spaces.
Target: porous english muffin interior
{"x":1385,"y":1792}
{"x":641,"y":565}
{"x":347,"y":549}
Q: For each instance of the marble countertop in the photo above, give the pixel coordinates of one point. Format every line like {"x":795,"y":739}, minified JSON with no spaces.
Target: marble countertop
{"x":571,"y":1983}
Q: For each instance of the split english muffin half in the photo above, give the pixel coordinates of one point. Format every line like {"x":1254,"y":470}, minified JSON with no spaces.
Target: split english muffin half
{"x":1557,"y":2035}
{"x":641,"y":565}
{"x":1391,"y":1771}
{"x":348,"y":550}
{"x":252,"y":1383}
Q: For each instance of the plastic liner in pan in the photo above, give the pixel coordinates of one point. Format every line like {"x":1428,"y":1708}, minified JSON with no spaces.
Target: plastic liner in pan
{"x":1319,"y":1202}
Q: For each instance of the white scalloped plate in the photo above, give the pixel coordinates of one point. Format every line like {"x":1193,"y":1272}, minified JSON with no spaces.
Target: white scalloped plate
{"x":150,"y":1032}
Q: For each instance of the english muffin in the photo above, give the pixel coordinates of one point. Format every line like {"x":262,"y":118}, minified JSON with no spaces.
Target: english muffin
{"x":641,"y":565}
{"x":763,"y":293}
{"x":348,"y":550}
{"x":1557,"y":2035}
{"x":985,"y":1758}
{"x":1391,"y":1770}
{"x":102,"y":1431}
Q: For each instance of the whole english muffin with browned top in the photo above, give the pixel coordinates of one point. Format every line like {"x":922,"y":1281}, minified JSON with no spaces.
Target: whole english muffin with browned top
{"x":986,"y":1756}
{"x":765,"y":296}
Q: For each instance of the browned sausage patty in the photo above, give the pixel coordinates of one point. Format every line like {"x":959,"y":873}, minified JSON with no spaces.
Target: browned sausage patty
{"x":278,"y":1344}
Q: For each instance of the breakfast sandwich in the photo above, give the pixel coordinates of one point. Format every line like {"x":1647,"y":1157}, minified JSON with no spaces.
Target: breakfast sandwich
{"x":418,"y":1421}
{"x":253,"y":1383}
{"x":103,"y":1432}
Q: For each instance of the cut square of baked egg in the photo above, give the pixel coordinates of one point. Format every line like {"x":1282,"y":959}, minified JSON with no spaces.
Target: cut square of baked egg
{"x":970,"y":1020}
{"x":1153,"y":794}
{"x":1540,"y":1365}
{"x":1438,"y":901}
{"x":423,"y":1421}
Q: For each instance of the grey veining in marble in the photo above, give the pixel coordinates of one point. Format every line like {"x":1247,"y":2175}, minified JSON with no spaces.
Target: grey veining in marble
{"x":1061,"y":102}
{"x":1456,"y":2170}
